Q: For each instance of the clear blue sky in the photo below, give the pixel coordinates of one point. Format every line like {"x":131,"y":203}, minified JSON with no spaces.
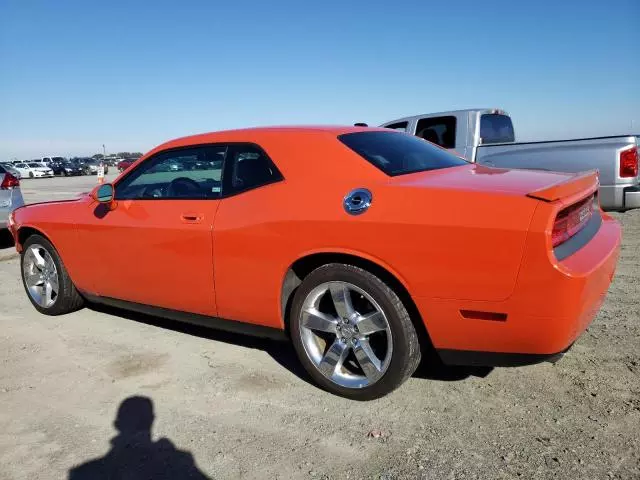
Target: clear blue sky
{"x":131,"y":74}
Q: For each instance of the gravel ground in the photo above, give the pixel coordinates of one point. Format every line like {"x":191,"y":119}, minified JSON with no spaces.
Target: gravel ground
{"x":228,"y":406}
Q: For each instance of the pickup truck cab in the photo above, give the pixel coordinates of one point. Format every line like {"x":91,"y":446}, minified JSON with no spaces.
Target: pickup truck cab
{"x":486,"y":136}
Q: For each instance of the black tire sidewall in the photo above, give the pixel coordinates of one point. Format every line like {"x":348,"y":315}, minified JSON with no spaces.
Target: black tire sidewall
{"x":394,"y":375}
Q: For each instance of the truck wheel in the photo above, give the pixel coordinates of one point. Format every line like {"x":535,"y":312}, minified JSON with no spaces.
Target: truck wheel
{"x":352,"y":333}
{"x":45,"y":278}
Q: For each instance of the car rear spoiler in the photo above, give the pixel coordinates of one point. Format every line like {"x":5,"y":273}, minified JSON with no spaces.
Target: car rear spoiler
{"x":572,"y":185}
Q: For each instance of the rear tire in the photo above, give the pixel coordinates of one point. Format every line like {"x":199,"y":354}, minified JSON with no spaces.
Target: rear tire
{"x":341,"y":347}
{"x":42,"y":272}
{"x":31,"y":175}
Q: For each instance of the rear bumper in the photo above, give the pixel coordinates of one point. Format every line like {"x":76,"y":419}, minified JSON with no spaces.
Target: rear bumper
{"x":620,"y":197}
{"x":496,"y":359}
{"x":632,"y":197}
{"x":552,"y":304}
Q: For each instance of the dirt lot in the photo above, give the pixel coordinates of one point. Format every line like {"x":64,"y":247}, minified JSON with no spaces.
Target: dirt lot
{"x":243,"y":409}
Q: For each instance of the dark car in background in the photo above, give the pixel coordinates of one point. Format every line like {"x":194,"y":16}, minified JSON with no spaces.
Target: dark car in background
{"x":89,"y":165}
{"x":66,"y":168}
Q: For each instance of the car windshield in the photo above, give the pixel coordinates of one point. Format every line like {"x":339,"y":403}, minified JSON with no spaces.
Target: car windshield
{"x":399,"y":153}
{"x":35,"y":165}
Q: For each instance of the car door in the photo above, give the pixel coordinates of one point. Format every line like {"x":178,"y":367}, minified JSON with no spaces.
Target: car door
{"x":153,"y":245}
{"x":247,"y":273}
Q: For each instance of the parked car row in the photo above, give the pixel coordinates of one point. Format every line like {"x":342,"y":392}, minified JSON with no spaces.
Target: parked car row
{"x":52,"y":166}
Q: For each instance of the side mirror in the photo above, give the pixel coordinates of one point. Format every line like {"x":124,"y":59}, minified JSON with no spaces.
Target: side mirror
{"x":104,"y":193}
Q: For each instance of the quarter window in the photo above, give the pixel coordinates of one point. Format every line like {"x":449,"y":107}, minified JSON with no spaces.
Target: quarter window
{"x":438,"y":130}
{"x":249,"y":167}
{"x":190,"y":173}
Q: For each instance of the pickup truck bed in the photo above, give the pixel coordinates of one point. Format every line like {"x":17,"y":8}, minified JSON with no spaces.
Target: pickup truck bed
{"x":487,"y":136}
{"x":616,"y":192}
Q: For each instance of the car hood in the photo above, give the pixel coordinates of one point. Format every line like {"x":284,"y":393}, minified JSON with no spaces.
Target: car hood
{"x":483,"y":179}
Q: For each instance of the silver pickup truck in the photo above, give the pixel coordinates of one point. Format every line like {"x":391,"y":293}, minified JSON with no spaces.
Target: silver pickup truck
{"x":486,"y":136}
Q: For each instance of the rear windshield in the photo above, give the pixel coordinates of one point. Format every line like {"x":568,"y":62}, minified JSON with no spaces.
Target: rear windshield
{"x":2,"y":170}
{"x":398,"y":153}
{"x":496,"y":128}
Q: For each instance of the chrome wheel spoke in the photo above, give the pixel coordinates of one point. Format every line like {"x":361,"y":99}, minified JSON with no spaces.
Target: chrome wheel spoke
{"x":316,"y":320}
{"x":369,"y":362}
{"x":48,"y":292}
{"x":53,"y":281}
{"x":32,"y":261}
{"x":334,"y":358}
{"x":341,"y":299}
{"x":39,"y":259}
{"x":371,"y":323}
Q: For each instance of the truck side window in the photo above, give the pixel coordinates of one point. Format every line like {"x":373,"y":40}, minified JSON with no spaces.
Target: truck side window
{"x":401,"y":126}
{"x":438,"y":130}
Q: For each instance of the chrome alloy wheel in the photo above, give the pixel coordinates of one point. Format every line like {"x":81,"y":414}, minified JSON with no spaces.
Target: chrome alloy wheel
{"x":40,"y":275}
{"x":346,"y":334}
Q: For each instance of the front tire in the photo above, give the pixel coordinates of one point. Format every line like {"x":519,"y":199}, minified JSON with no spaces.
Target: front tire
{"x":45,"y":278}
{"x":352,"y":332}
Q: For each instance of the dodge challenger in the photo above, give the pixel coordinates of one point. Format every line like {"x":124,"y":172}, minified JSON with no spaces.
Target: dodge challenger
{"x":363,"y":246}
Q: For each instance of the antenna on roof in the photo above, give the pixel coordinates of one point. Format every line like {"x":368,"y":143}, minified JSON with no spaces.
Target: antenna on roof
{"x":360,"y":124}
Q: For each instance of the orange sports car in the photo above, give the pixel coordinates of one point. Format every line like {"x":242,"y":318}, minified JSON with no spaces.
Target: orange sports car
{"x":363,"y":246}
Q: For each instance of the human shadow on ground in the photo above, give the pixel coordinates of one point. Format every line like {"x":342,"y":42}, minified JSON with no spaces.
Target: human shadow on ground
{"x":134,"y":455}
{"x":431,"y":367}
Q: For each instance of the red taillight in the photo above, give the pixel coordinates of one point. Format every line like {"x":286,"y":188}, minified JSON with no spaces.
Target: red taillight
{"x":571,"y":220}
{"x":629,"y":162}
{"x":9,"y":182}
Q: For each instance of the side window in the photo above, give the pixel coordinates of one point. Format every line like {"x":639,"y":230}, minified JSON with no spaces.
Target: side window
{"x":438,"y":130}
{"x":402,"y":126}
{"x":189,"y":173}
{"x":248,"y":167}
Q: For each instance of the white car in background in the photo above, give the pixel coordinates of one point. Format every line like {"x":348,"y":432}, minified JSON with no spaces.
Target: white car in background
{"x":33,"y":170}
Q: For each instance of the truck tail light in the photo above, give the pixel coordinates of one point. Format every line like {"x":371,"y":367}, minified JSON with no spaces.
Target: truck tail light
{"x":629,"y":162}
{"x":9,"y":182}
{"x":571,"y":220}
